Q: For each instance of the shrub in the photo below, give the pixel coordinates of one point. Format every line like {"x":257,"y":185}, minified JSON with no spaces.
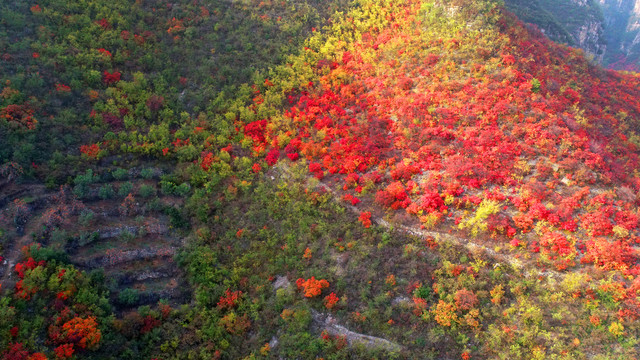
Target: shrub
{"x":126,"y":235}
{"x":466,"y":299}
{"x":128,"y":297}
{"x":88,"y":238}
{"x":147,"y":191}
{"x":106,"y":192}
{"x":312,"y":287}
{"x":422,"y":292}
{"x":176,"y":218}
{"x":147,"y":173}
{"x":120,"y":174}
{"x":86,"y":217}
{"x":478,"y":222}
{"x":125,"y":189}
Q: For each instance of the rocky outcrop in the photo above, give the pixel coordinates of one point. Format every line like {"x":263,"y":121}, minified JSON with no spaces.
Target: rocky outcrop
{"x":329,"y":325}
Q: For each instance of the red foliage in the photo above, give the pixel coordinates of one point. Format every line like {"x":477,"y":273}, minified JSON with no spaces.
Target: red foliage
{"x":178,"y":143}
{"x":112,"y":120}
{"x":331,"y":300}
{"x":91,"y":151}
{"x":15,"y":352}
{"x":256,"y":130}
{"x":465,"y":299}
{"x":229,"y":300}
{"x":111,"y":78}
{"x":556,"y":243}
{"x":155,"y":103}
{"x":20,"y":115}
{"x":394,"y":196}
{"x":138,"y":39}
{"x":431,"y":202}
{"x":608,"y":255}
{"x":30,"y":264}
{"x":272,"y":157}
{"x":104,"y":52}
{"x":62,"y":88}
{"x":418,"y":131}
{"x":103,"y":23}
{"x":352,"y":199}
{"x":37,"y":356}
{"x":207,"y":161}
{"x":149,"y":323}
{"x":365,"y":219}
{"x":64,"y":351}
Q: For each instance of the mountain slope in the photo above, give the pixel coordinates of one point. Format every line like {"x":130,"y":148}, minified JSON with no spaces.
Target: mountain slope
{"x":393,"y":112}
{"x":416,"y":179}
{"x":469,"y":122}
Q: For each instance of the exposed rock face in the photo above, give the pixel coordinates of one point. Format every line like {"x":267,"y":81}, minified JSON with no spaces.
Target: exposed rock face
{"x":589,"y":37}
{"x":622,"y":32}
{"x":578,"y":23}
{"x":589,"y":34}
{"x":607,"y":29}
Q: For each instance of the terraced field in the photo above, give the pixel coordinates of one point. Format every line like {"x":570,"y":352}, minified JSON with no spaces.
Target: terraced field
{"x":116,"y":226}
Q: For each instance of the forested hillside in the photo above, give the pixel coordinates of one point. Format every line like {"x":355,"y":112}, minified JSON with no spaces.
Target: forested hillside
{"x":311,"y":179}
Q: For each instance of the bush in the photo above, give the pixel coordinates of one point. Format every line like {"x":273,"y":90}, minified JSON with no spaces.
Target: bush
{"x":170,"y":188}
{"x":128,"y":297}
{"x":535,"y":85}
{"x":49,"y":254}
{"x":59,"y":236}
{"x":147,"y":173}
{"x":176,"y":218}
{"x":87,"y":178}
{"x":82,"y":182}
{"x":147,"y":191}
{"x":126,"y":236}
{"x":125,"y":189}
{"x":88,"y":238}
{"x":120,"y":174}
{"x":86,"y":217}
{"x":423,"y":292}
{"x":106,"y":192}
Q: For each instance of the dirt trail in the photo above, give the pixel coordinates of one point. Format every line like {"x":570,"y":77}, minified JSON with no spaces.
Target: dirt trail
{"x":473,"y":247}
{"x":525,"y":266}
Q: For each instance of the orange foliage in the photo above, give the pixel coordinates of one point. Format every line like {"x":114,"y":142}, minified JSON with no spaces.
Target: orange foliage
{"x":312,"y":287}
{"x":82,"y":332}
